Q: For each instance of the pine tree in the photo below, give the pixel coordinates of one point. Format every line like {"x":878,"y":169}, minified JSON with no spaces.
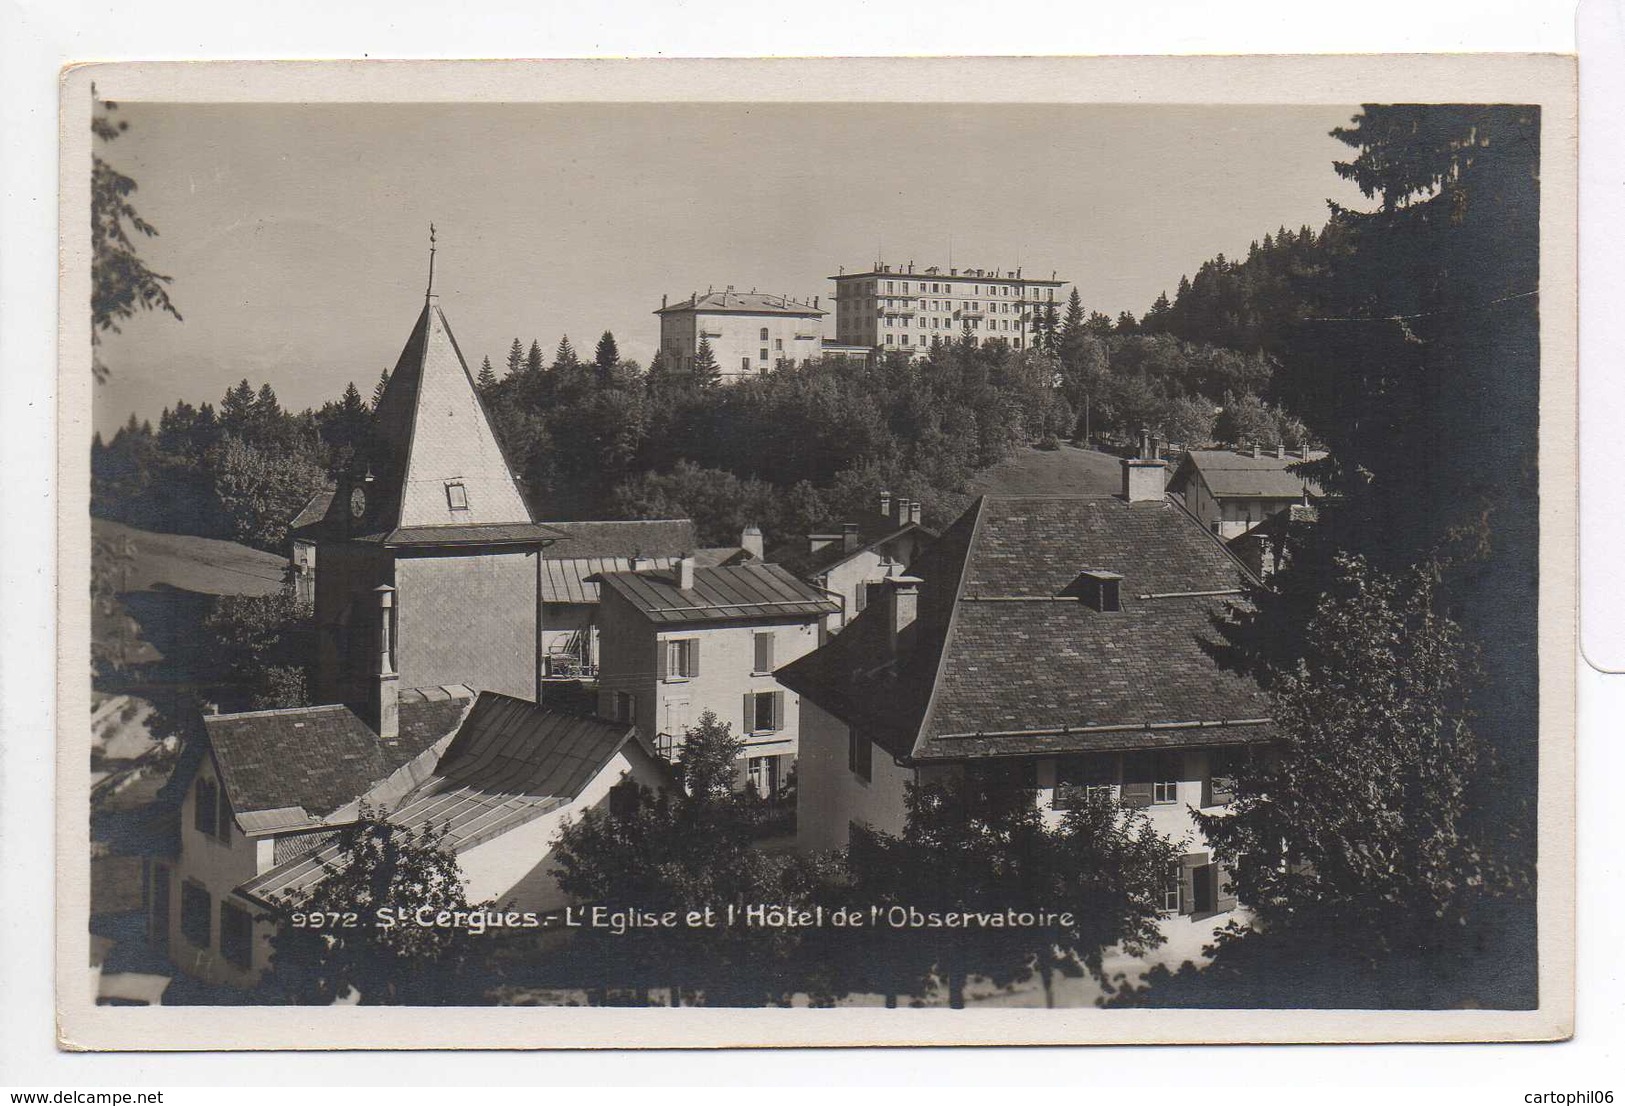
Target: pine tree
{"x":378,"y":390}
{"x":706,"y":371}
{"x":533,"y":359}
{"x":564,"y":356}
{"x":488,"y":377}
{"x":516,"y":357}
{"x":606,"y":357}
{"x":1072,"y":325}
{"x":1052,"y":328}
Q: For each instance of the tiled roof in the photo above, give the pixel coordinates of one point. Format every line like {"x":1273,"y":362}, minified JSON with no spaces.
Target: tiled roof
{"x":322,"y":758}
{"x":665,"y":537}
{"x":744,"y":303}
{"x":998,"y":653}
{"x":511,"y":762}
{"x":1231,"y":475}
{"x":731,"y":592}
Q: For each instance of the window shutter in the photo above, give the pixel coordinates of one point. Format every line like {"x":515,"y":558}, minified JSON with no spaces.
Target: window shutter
{"x":1188,"y":866}
{"x":1136,"y":791}
{"x":662,"y":655}
{"x":691,"y":649}
{"x":750,"y":712}
{"x":1224,"y":891}
{"x":223,"y":818}
{"x":764,"y":651}
{"x":778,"y":710}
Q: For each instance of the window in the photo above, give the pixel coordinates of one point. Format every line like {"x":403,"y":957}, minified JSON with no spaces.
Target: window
{"x":1165,"y":784}
{"x":763,"y":774}
{"x":624,"y":799}
{"x":195,"y":913}
{"x":456,"y":495}
{"x":764,"y":334}
{"x":1170,"y":889}
{"x":859,"y":755}
{"x":762,"y":356}
{"x":778,"y":343}
{"x":205,"y":806}
{"x":626,"y":707}
{"x":763,"y":643}
{"x":681,"y":657}
{"x":744,"y":364}
{"x":158,"y":895}
{"x":1221,"y":776}
{"x":236,"y":935}
{"x":1084,"y":777}
{"x":764,"y":711}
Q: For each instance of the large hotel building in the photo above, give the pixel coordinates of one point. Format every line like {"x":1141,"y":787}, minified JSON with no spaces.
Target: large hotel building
{"x":900,"y":308}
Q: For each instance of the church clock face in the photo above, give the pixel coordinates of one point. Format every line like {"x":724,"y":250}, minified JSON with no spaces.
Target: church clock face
{"x":358,"y":502}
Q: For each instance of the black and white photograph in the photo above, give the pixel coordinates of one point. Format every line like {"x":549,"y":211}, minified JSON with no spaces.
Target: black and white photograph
{"x":1052,"y":561}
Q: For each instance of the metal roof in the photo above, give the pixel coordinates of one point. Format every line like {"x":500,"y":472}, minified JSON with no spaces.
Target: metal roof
{"x":569,"y":581}
{"x":744,"y":303}
{"x":752,"y":591}
{"x":511,"y":762}
{"x":1231,"y":475}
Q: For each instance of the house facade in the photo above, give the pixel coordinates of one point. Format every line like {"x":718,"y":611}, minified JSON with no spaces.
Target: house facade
{"x":1055,"y":642}
{"x":847,"y":559}
{"x":302,"y":531}
{"x":1232,"y":492}
{"x":893,"y":308}
{"x":678,"y":642}
{"x":748,"y":332}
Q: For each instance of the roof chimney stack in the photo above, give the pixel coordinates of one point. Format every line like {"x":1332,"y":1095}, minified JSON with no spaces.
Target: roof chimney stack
{"x":914,"y":511}
{"x":385,"y":698}
{"x":685,"y":572}
{"x":902,"y":612}
{"x":1144,"y":476}
{"x":662,"y":301}
{"x":885,"y":503}
{"x":750,"y":540}
{"x":849,"y":537}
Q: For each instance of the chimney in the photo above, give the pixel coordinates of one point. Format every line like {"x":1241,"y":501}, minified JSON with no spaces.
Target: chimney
{"x":849,"y":536}
{"x":1156,"y":446}
{"x":662,"y":301}
{"x":914,"y":511}
{"x":815,"y":303}
{"x":685,"y":572}
{"x":750,"y":540}
{"x":885,"y":504}
{"x":386,"y":692}
{"x":1258,"y":451}
{"x":636,"y":562}
{"x":1144,"y":476}
{"x":902,"y":612}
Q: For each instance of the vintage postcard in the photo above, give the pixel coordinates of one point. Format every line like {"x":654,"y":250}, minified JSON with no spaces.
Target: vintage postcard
{"x":817,"y":552}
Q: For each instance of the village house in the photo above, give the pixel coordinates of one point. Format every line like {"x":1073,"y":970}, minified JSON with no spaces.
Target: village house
{"x":678,"y":642}
{"x":269,"y":791}
{"x":1059,"y":643}
{"x":1231,"y":492}
{"x":845,"y":560}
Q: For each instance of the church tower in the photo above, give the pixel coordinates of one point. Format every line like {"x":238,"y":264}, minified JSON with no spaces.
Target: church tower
{"x":428,"y":545}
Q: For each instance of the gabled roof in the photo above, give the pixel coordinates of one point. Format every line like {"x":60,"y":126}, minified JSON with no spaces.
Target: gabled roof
{"x":1232,"y":475}
{"x":511,"y":762}
{"x":575,"y":580}
{"x":746,"y":591}
{"x":874,"y":530}
{"x":743,"y":303}
{"x":663,"y":537}
{"x":319,"y":759}
{"x":1004,"y":664}
{"x":431,"y":430}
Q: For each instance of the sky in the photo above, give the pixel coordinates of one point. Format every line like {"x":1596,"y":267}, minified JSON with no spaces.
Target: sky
{"x":297,"y":235}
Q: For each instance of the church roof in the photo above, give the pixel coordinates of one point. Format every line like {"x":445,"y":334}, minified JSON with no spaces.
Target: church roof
{"x":435,"y":461}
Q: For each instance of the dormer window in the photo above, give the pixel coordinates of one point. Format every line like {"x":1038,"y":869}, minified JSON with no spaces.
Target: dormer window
{"x":1099,"y":588}
{"x":456,"y":495}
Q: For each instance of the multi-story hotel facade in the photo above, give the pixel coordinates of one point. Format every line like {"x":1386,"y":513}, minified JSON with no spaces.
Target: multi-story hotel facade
{"x":749,"y":332}
{"x":904,"y":308}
